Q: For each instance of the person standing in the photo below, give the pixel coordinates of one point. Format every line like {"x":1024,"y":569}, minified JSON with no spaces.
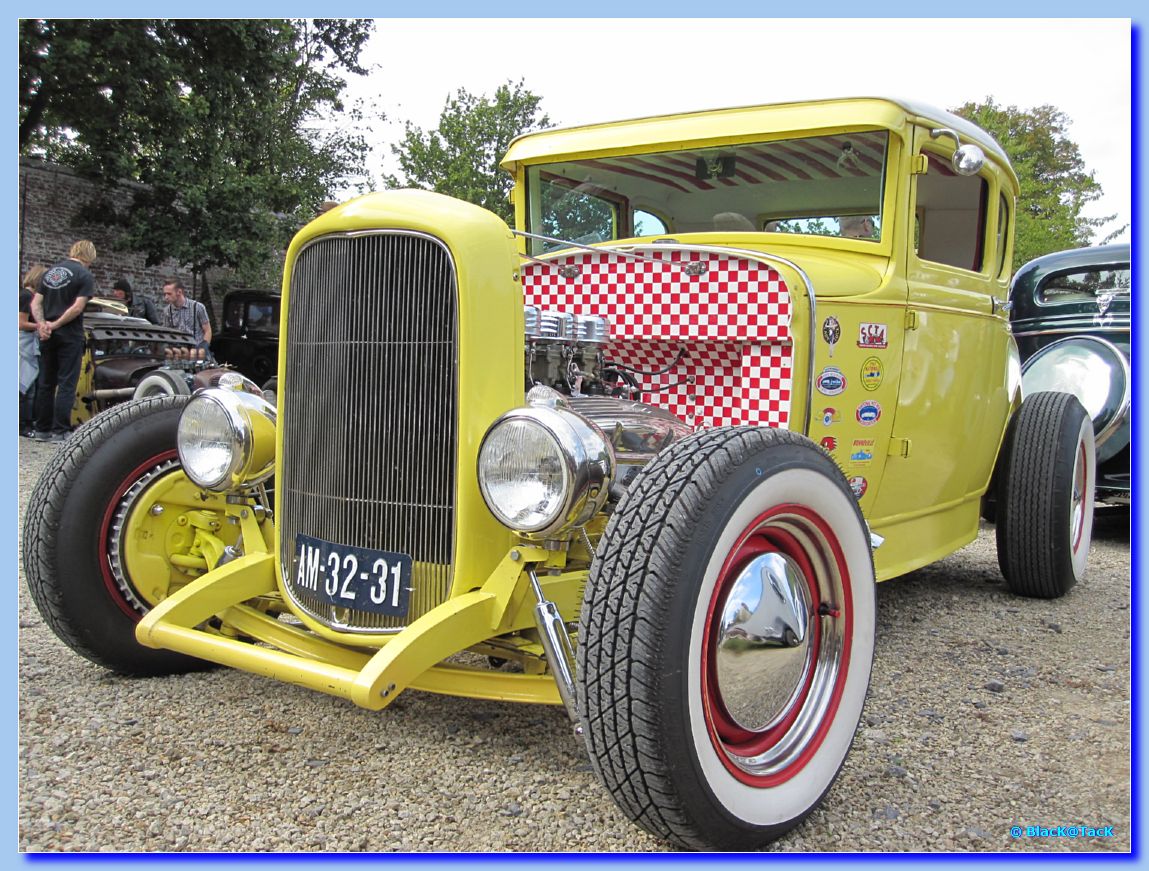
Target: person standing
{"x":29,"y":347}
{"x":137,"y":308}
{"x":58,"y":308}
{"x":188,"y":315}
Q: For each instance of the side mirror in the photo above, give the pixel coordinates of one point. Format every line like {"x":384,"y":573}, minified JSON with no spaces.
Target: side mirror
{"x":968,"y":159}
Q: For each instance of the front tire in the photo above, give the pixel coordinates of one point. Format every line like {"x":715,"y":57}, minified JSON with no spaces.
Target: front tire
{"x":78,"y":545}
{"x":1045,"y":514}
{"x":726,"y":638}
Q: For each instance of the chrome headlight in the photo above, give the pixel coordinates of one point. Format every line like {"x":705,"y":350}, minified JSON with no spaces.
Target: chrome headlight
{"x":544,"y":470}
{"x":226,"y":439}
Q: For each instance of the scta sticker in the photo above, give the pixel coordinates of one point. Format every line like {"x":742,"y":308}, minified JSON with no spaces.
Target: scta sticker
{"x":872,"y":373}
{"x":831,"y":382}
{"x":868,"y":413}
{"x":829,"y":416}
{"x":872,"y":336}
{"x":858,"y":486}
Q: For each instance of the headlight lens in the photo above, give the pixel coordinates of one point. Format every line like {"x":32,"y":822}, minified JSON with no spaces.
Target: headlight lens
{"x":226,"y":439}
{"x":208,"y":446}
{"x":544,"y":470}
{"x":522,"y":475}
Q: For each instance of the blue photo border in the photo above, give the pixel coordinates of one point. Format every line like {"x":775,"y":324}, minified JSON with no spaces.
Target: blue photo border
{"x":605,"y":9}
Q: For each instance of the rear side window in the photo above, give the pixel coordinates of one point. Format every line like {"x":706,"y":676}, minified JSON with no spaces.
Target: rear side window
{"x":1003,"y":268}
{"x":1086,"y":285}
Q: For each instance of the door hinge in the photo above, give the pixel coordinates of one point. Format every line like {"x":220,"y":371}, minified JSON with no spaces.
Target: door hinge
{"x":899,"y":448}
{"x":911,"y":319}
{"x":919,"y":164}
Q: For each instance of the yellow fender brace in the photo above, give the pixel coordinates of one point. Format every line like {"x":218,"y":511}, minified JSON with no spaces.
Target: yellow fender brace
{"x":411,"y":658}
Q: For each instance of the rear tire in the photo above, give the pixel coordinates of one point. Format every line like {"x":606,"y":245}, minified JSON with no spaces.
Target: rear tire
{"x":76,"y":534}
{"x":719,"y":694}
{"x":161,"y":382}
{"x":1045,"y":509}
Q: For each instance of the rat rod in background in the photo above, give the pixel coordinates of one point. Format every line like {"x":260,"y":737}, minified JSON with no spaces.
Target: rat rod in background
{"x":651,"y":473}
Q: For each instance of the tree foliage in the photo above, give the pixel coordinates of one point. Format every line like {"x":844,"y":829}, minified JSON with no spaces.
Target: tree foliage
{"x":461,"y":156}
{"x":1055,"y":183}
{"x":220,"y":120}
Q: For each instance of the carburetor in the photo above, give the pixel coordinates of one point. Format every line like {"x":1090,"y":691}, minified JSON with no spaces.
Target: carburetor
{"x":566,"y":352}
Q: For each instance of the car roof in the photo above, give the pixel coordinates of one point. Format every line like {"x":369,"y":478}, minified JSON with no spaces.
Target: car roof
{"x":692,"y":129}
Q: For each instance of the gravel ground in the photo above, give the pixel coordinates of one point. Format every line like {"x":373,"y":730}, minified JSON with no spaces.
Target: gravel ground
{"x":985,"y":711}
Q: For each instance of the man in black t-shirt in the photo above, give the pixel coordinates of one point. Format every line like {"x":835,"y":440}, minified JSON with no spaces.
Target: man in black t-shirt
{"x":58,"y":309}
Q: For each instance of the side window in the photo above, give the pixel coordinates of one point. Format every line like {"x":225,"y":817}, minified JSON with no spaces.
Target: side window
{"x":647,"y":224}
{"x":951,"y":213}
{"x":1003,"y":216}
{"x":261,"y":318}
{"x":1086,"y":286}
{"x":233,"y":315}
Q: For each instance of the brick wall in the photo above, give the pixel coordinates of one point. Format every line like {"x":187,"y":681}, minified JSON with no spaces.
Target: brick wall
{"x":50,"y":195}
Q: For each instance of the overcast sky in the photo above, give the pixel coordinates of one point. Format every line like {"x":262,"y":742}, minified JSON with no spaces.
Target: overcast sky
{"x":589,"y":70}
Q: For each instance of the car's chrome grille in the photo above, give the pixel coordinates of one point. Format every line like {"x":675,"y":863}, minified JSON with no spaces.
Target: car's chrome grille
{"x":368,"y":405}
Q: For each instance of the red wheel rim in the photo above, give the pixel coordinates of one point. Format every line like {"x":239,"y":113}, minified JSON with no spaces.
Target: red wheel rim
{"x":115,"y":577}
{"x":773,"y":754}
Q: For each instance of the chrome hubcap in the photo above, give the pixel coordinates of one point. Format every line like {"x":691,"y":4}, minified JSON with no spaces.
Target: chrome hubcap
{"x":763,"y":650}
{"x":1077,"y":510}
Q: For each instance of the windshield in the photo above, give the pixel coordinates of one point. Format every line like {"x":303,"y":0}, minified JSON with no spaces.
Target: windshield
{"x":819,"y":185}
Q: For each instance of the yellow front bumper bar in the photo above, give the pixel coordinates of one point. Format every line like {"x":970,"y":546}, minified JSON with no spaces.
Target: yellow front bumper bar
{"x":412,"y":658}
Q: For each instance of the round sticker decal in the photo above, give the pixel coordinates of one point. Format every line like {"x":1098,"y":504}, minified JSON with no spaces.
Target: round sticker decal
{"x":868,"y":413}
{"x":831,"y":382}
{"x":872,"y":373}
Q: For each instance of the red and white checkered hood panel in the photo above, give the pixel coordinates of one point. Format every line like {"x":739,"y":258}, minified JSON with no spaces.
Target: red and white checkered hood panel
{"x":733,"y":320}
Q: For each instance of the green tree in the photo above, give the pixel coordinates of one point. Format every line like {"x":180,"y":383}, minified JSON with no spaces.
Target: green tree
{"x":461,"y":156}
{"x":219,"y":120}
{"x":1055,"y":183}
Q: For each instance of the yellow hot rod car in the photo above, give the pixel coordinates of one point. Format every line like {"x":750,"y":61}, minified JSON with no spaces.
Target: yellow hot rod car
{"x":644,"y":456}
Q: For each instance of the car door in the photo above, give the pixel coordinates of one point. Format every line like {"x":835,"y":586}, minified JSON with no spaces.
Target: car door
{"x":954,"y":394}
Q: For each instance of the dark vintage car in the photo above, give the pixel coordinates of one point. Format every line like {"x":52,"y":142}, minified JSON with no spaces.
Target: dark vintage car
{"x":249,"y":336}
{"x":1070,"y":318}
{"x":126,"y":357}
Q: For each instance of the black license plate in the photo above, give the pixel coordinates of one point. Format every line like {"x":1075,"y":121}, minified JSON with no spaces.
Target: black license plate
{"x":353,"y":577}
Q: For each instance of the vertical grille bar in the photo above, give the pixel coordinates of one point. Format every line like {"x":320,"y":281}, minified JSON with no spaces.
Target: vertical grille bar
{"x":368,"y":404}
